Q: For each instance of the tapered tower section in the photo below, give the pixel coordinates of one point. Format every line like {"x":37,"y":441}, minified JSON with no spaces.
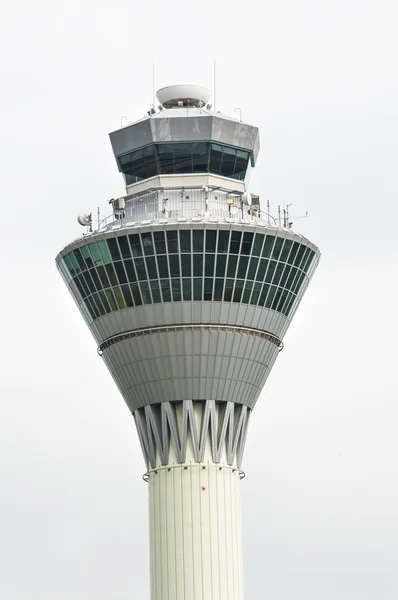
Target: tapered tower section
{"x":188,"y":290}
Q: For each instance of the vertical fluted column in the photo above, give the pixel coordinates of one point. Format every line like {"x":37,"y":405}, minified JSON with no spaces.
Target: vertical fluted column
{"x":195,"y":532}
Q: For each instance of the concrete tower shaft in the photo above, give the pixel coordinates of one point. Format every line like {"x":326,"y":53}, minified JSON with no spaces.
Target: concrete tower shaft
{"x":188,"y":290}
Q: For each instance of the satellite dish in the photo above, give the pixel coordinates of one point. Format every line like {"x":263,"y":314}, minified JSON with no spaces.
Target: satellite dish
{"x":247,"y":198}
{"x":84,"y":219}
{"x":234,"y":210}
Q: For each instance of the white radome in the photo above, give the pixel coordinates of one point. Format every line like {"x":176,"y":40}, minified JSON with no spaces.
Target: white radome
{"x":170,"y":95}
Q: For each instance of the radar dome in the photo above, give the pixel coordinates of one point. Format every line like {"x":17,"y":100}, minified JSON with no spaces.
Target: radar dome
{"x":184,"y":94}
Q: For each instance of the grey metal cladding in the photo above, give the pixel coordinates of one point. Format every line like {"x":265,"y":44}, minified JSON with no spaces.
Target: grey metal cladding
{"x":237,"y":134}
{"x":132,"y":137}
{"x":158,"y":427}
{"x":205,"y":128}
{"x":167,"y":367}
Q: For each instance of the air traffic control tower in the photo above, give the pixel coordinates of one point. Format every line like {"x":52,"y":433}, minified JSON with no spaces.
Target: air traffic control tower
{"x":188,"y":289}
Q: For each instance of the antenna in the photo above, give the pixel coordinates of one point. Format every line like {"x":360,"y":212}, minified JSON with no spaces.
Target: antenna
{"x":214,"y":94}
{"x":153,"y":83}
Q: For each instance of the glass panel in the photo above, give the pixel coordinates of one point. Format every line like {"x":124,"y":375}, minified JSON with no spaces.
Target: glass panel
{"x":139,"y":264}
{"x":307,"y":265}
{"x":251,"y":274}
{"x":247,"y":292}
{"x":84,"y":285}
{"x":186,"y":288}
{"x":104,"y":279}
{"x":147,"y":243}
{"x":89,"y":281}
{"x":232,"y":262}
{"x":293,"y":253}
{"x":174,"y":265}
{"x":64,"y":269}
{"x":95,"y":254}
{"x":223,"y":242}
{"x":127,"y":295}
{"x":151,"y":267}
{"x":277,"y":298}
{"x":155,"y":288}
{"x":278,"y":273}
{"x":146,"y":295}
{"x":197,"y":241}
{"x":120,"y":272}
{"x":218,"y":289}
{"x":270,"y":271}
{"x":79,"y":287}
{"x":258,"y":244}
{"x":287,"y":246}
{"x":228,"y":161}
{"x":96,"y":304}
{"x":215,"y":158}
{"x":111,"y":299}
{"x":255,"y":293}
{"x":163,"y":266}
{"x":130,"y":270}
{"x":104,"y":300}
{"x":87,"y":257}
{"x":299,"y":256}
{"x":211,"y":235}
{"x":114,"y":248}
{"x":103,"y":248}
{"x":282,"y":300}
{"x":119,"y":297}
{"x":96,"y":280}
{"x":270,"y":296}
{"x":269,"y":242}
{"x":238,"y":290}
{"x":135,"y":244}
{"x":277,"y":248}
{"x":289,"y":304}
{"x":197,"y":265}
{"x":185,"y":240}
{"x":94,"y":312}
{"x":165,"y":287}
{"x":208,"y":289}
{"x":291,"y":277}
{"x":74,"y":263}
{"x":221,"y":265}
{"x":229,"y":284}
{"x":209,"y":265}
{"x":176,"y":289}
{"x":160,"y":243}
{"x":172,"y":242}
{"x":87,"y":304}
{"x":263,"y":295}
{"x":262,"y":269}
{"x":242,"y":268}
{"x":124,"y":246}
{"x":111,"y":275}
{"x":247,"y":243}
{"x":136,"y":294}
{"x":80,"y":260}
{"x":306,"y":259}
{"x":186,"y":265}
{"x":297,"y":284}
{"x":235,"y":242}
{"x":285,"y":275}
{"x":197,"y":288}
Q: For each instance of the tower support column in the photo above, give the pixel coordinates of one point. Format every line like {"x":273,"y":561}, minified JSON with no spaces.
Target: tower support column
{"x":195,"y":532}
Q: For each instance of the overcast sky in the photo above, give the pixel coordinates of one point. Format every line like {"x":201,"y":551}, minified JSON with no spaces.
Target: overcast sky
{"x":320,"y":500}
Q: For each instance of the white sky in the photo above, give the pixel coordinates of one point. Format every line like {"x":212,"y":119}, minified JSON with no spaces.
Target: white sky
{"x":320,"y":500}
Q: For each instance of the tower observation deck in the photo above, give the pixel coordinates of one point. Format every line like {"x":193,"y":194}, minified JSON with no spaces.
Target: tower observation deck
{"x":188,"y":289}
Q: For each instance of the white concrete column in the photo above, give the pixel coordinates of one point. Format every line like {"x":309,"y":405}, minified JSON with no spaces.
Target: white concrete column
{"x":195,"y":532}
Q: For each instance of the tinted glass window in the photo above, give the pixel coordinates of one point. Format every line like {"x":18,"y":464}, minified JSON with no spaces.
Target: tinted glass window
{"x":135,"y":244}
{"x":160,"y":243}
{"x":172,"y":242}
{"x":185,"y":240}
{"x":211,"y":240}
{"x":147,"y":243}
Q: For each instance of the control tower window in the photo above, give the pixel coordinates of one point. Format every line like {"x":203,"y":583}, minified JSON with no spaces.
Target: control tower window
{"x":184,"y":157}
{"x":139,"y":165}
{"x":227,"y":161}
